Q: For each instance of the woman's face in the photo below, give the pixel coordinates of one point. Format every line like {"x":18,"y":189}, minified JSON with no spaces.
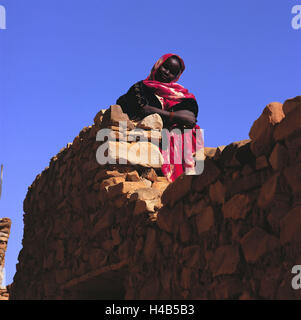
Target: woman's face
{"x":169,"y":70}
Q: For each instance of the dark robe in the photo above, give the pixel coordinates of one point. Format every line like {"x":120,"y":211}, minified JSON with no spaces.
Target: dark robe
{"x":140,"y":95}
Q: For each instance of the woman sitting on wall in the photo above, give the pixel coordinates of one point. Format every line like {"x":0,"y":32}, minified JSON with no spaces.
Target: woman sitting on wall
{"x":159,"y":93}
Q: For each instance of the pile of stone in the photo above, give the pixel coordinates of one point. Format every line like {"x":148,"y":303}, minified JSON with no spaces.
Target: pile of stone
{"x":123,"y":231}
{"x":5,"y":224}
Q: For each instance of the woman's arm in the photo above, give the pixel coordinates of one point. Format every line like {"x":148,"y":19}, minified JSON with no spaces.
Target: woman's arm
{"x":183,"y":117}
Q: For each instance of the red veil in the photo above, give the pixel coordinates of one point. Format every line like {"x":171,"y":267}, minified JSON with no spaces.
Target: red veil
{"x":177,"y":158}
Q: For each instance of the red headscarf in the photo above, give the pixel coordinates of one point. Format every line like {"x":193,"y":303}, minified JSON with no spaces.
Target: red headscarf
{"x":171,"y":92}
{"x":175,"y":162}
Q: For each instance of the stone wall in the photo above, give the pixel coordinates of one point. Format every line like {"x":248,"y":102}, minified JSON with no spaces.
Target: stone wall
{"x":123,"y":231}
{"x":5,"y":224}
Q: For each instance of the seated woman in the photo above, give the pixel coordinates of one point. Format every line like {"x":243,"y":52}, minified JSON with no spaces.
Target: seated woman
{"x":159,"y":93}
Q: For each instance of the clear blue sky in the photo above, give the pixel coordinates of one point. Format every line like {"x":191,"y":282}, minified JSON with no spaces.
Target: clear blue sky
{"x":63,"y":60}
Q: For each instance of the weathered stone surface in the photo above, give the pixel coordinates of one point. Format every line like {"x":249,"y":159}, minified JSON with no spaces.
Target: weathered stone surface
{"x":209,"y":175}
{"x":5,"y":225}
{"x":262,"y":129}
{"x":209,"y":152}
{"x":151,"y":122}
{"x":99,"y":116}
{"x":229,"y":155}
{"x":237,"y":207}
{"x":133,"y":176}
{"x":150,"y":245}
{"x":197,"y":207}
{"x":105,"y":235}
{"x":290,"y":226}
{"x":124,"y":187}
{"x":205,"y":220}
{"x":145,"y":194}
{"x":145,"y":154}
{"x":113,"y":116}
{"x":261,"y":162}
{"x":289,"y":125}
{"x":268,"y":191}
{"x":224,"y":261}
{"x":160,"y":185}
{"x":290,"y":104}
{"x":256,"y":243}
{"x":165,"y":220}
{"x":217,"y":192}
{"x":293,"y":178}
{"x":279,"y":157}
{"x":177,"y":190}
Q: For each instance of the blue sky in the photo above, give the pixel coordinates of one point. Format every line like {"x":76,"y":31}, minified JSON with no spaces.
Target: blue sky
{"x":61,"y":61}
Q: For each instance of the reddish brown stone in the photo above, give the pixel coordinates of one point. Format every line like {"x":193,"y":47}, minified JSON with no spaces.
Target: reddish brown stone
{"x":217,"y":192}
{"x":261,"y":162}
{"x":177,"y":190}
{"x":279,"y":157}
{"x":262,"y":129}
{"x":289,"y":125}
{"x":291,"y":104}
{"x":205,"y":220}
{"x":237,"y":207}
{"x":185,"y":232}
{"x":150,"y":245}
{"x":208,"y":176}
{"x":224,"y":261}
{"x":293,"y":178}
{"x":269,"y":284}
{"x":268,"y":191}
{"x":165,"y":220}
{"x":257,"y":243}
{"x":290,"y":226}
{"x":227,"y":289}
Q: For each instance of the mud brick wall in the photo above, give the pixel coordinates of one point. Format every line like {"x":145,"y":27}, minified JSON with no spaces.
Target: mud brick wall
{"x":5,"y":224}
{"x":125,"y":232}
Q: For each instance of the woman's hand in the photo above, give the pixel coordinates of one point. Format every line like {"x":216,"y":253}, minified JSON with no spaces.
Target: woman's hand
{"x":184,"y":117}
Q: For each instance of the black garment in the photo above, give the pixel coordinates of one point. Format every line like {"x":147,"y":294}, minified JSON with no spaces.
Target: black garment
{"x":140,"y":95}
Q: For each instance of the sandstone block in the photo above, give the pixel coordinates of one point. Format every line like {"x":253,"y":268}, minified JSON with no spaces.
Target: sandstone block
{"x":262,"y":129}
{"x":113,"y":116}
{"x":124,"y":187}
{"x":99,"y":116}
{"x":151,"y":122}
{"x":133,"y":176}
{"x":289,"y":125}
{"x":145,"y":194}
